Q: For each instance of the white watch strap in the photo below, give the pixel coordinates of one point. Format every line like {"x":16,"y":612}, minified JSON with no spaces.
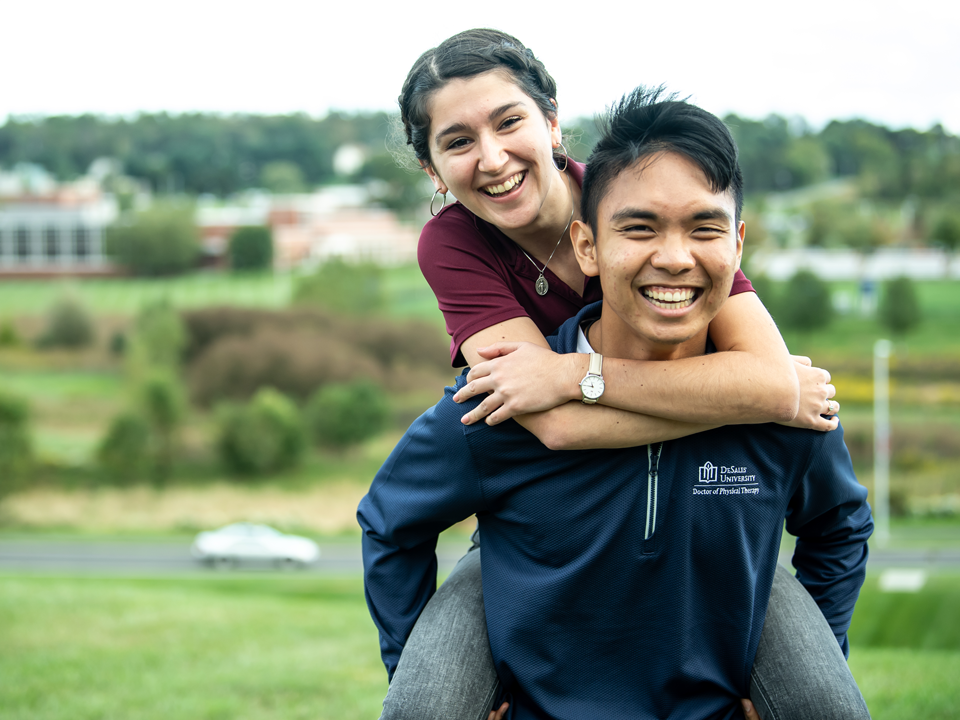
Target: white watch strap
{"x":596,"y":364}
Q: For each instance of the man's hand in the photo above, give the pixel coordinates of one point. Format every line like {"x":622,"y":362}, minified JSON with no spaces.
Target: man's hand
{"x":818,"y":410}
{"x":502,"y":712}
{"x":748,"y":710}
{"x":520,"y":378}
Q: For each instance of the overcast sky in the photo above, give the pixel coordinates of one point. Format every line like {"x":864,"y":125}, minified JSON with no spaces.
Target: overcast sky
{"x":893,"y":63}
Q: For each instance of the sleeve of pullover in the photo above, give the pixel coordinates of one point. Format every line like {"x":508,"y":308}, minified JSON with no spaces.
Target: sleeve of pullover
{"x":830,"y":516}
{"x":426,"y":485}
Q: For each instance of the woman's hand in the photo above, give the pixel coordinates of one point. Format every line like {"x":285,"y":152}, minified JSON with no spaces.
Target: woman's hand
{"x":500,"y":713}
{"x":520,"y":378}
{"x":749,"y":711}
{"x":818,"y":411}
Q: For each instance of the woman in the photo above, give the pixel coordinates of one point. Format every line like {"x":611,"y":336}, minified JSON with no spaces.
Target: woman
{"x":481,"y":115}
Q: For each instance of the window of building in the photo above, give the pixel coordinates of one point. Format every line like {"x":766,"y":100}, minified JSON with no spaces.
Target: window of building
{"x":51,"y":243}
{"x":21,"y":243}
{"x":81,"y":237}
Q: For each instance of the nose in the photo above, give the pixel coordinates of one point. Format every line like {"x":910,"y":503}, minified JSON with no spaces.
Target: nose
{"x":674,"y":255}
{"x":492,"y":155}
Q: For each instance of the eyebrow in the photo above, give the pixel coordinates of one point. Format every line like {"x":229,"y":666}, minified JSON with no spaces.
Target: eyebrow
{"x":638,"y":214}
{"x":460,"y":127}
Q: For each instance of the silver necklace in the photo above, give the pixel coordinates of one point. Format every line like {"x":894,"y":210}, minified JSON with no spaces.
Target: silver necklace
{"x":542,"y":286}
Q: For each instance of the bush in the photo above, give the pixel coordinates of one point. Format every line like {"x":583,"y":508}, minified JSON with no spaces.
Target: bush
{"x":342,"y":415}
{"x":294,"y":362}
{"x":947,"y":231}
{"x":16,"y":449}
{"x":9,"y":337}
{"x":251,"y":248}
{"x":69,"y":325}
{"x":231,"y":352}
{"x":265,"y":435}
{"x":806,"y":303}
{"x":124,"y":452}
{"x":899,"y":307}
{"x":160,"y":241}
{"x":161,"y":398}
{"x":766,"y":291}
{"x":345,"y":288}
{"x":159,"y":336}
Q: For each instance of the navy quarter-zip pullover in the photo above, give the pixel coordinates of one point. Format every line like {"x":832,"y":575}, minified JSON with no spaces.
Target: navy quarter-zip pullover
{"x":626,"y":583}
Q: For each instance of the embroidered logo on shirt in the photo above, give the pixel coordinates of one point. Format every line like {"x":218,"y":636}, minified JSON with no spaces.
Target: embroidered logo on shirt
{"x":732,"y":479}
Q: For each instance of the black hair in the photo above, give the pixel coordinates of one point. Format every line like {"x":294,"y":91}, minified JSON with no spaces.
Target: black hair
{"x":464,"y":55}
{"x":649,"y":121}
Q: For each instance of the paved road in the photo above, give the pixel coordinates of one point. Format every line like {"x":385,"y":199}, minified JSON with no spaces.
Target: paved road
{"x":337,"y":556}
{"x":162,"y":558}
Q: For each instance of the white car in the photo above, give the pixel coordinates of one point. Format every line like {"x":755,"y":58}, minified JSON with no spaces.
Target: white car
{"x":247,"y":541}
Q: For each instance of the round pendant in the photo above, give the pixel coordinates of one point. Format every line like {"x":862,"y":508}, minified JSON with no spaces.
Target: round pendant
{"x":542,"y":285}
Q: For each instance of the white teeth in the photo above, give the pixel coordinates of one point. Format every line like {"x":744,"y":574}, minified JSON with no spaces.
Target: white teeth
{"x":670,"y":299}
{"x":507,"y":186}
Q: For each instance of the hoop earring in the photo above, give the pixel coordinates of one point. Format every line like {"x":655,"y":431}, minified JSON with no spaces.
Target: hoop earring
{"x":434,"y":198}
{"x":566,"y":158}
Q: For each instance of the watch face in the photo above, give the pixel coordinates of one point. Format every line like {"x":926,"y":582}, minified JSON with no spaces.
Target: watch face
{"x":592,"y":386}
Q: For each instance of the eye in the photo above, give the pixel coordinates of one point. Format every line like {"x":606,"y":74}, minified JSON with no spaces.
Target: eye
{"x":708,"y":232}
{"x":638,"y":229}
{"x":510,"y":122}
{"x":458,"y":143}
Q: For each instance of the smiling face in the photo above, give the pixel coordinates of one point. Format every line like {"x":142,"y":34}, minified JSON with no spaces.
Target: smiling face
{"x":666,"y":250}
{"x":492,"y":147}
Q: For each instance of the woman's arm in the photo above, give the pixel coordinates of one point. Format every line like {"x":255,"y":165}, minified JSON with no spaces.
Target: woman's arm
{"x":569,"y":425}
{"x":752,"y":379}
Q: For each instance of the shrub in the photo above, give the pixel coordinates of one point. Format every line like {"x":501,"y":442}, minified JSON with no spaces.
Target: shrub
{"x":294,"y":362}
{"x":68,"y":325}
{"x":265,"y":435}
{"x":9,"y":337}
{"x":16,"y":449}
{"x":124,"y":452}
{"x":947,"y":231}
{"x":805,"y":303}
{"x":345,"y":288}
{"x":160,"y":241}
{"x":159,"y":336}
{"x":899,"y":307}
{"x":251,"y":248}
{"x":231,"y":352}
{"x":161,"y":398}
{"x":342,"y":415}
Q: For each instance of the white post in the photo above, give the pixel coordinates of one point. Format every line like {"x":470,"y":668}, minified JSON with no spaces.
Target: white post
{"x":881,"y":439}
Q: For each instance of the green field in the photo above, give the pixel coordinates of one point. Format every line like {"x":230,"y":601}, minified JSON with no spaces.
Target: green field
{"x":407,"y":293}
{"x":257,"y":646}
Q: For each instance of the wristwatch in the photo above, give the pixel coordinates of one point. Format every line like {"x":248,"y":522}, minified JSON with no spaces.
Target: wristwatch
{"x":592,"y":384}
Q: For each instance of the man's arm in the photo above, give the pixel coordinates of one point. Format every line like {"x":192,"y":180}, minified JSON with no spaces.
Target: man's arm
{"x":425,"y":486}
{"x":830,"y":516}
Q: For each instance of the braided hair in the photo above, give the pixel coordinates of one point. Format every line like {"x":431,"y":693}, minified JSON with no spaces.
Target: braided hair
{"x":465,"y":55}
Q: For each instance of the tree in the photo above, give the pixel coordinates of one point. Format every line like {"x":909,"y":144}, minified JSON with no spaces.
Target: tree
{"x":899,"y":307}
{"x":16,"y":448}
{"x":124,"y":452}
{"x":163,"y":240}
{"x":809,"y":305}
{"x":251,"y":248}
{"x":69,"y":324}
{"x":342,"y":415}
{"x":265,"y":435}
{"x":947,"y":231}
{"x":162,"y":401}
{"x":281,"y":176}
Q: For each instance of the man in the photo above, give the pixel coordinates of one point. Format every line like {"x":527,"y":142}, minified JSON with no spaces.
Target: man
{"x":626,"y":583}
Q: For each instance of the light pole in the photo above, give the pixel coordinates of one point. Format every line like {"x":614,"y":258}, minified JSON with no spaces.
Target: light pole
{"x":881,"y":439}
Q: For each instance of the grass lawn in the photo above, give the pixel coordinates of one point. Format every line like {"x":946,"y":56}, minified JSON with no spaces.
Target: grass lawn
{"x":237,"y":647}
{"x":281,"y":646}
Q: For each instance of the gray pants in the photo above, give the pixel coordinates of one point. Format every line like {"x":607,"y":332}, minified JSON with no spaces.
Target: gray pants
{"x":446,"y":671}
